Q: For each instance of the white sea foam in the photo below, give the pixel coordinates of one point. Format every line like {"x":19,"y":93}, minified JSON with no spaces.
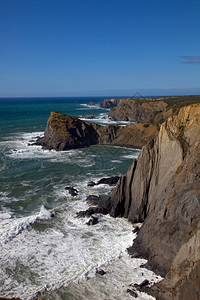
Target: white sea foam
{"x":10,"y":229}
{"x":104,"y":119}
{"x":131,"y":156}
{"x":85,"y":106}
{"x":68,"y":252}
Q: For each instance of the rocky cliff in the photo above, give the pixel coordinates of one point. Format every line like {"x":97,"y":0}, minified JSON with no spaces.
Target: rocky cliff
{"x":140,"y":111}
{"x":64,"y":132}
{"x":150,"y":109}
{"x":162,"y":189}
{"x":109,"y":103}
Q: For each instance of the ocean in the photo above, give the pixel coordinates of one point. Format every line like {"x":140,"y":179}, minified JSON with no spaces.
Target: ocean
{"x":44,"y":249}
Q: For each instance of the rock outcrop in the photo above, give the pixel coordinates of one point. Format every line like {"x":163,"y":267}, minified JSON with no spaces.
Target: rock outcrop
{"x":162,"y":189}
{"x":150,"y":109}
{"x":109,"y":103}
{"x":140,"y":111}
{"x":64,"y":132}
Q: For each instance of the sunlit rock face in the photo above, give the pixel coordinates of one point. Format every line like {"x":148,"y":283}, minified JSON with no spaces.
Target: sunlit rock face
{"x":162,"y":189}
{"x":64,"y":132}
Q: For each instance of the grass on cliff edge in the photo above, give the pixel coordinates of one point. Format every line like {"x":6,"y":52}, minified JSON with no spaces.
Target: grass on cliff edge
{"x":174,"y":102}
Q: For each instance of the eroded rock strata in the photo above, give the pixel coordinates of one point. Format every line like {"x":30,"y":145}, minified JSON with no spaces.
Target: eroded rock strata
{"x":64,"y":132}
{"x":150,"y":109}
{"x":162,"y":189}
{"x":109,"y":103}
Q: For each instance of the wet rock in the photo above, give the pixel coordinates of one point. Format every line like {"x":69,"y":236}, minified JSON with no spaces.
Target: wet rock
{"x":100,"y":272}
{"x":88,"y":117}
{"x":136,"y":229}
{"x":93,"y":200}
{"x":90,"y":211}
{"x":91,"y":183}
{"x":71,"y":190}
{"x":110,"y":180}
{"x":92,"y":221}
{"x":143,"y":284}
{"x":91,"y":103}
{"x":132,"y":293}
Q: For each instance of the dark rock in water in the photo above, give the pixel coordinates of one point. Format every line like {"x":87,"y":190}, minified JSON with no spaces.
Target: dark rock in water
{"x":90,"y":211}
{"x":100,"y":272}
{"x":111,"y":180}
{"x":132,"y":293}
{"x":88,"y":117}
{"x":71,"y":190}
{"x":136,"y":229}
{"x":91,"y":103}
{"x":93,"y":200}
{"x":91,"y":183}
{"x":92,"y":221}
{"x":143,"y":284}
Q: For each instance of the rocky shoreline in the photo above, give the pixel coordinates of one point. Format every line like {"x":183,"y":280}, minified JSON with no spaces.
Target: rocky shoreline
{"x":64,"y":132}
{"x":160,"y":189}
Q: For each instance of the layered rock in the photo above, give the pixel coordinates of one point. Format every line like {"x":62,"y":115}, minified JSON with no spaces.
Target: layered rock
{"x":140,"y":111}
{"x":162,"y":188}
{"x":109,"y":103}
{"x":150,"y":109}
{"x":64,"y":132}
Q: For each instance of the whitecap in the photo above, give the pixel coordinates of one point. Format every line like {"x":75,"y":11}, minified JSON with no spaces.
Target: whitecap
{"x":13,"y":227}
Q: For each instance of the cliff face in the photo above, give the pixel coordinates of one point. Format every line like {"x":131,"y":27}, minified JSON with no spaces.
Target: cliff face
{"x":162,"y":188}
{"x":133,"y":110}
{"x":64,"y":132}
{"x":109,"y":103}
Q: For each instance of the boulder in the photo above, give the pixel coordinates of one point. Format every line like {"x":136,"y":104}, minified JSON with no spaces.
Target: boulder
{"x":92,"y":221}
{"x":90,"y":211}
{"x":110,"y":180}
{"x":91,"y":183}
{"x":88,"y":117}
{"x":100,"y":272}
{"x":71,"y":190}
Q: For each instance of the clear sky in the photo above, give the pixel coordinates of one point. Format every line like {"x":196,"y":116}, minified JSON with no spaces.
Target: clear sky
{"x":99,"y":47}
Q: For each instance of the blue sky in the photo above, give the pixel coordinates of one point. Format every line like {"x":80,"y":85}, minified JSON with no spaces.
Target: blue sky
{"x":99,"y":47}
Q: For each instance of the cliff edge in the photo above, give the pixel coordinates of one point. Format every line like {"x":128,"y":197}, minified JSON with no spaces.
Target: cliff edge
{"x":162,"y":189}
{"x":64,"y":132}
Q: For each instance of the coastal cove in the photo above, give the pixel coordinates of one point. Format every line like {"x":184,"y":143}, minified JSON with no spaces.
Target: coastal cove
{"x":136,"y":160}
{"x":44,"y":247}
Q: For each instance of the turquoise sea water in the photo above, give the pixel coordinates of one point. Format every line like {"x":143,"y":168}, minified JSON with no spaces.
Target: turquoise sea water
{"x":41,"y":254}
